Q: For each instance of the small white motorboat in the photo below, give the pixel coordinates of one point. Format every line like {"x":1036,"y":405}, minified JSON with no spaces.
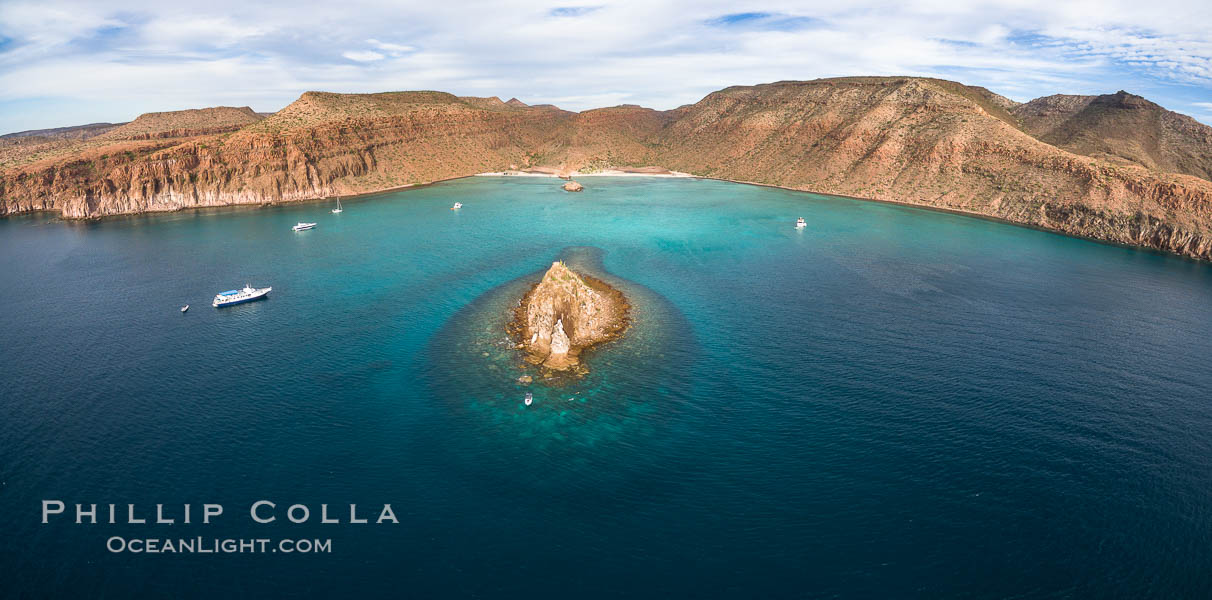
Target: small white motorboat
{"x":303,"y":226}
{"x":529,"y":398}
{"x":185,"y":308}
{"x":801,"y":223}
{"x":337,"y":210}
{"x":457,"y":206}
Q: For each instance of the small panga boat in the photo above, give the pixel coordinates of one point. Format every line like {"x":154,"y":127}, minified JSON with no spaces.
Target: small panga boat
{"x":185,"y":308}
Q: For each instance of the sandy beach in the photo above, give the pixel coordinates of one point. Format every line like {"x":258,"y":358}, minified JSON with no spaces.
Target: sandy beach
{"x":625,"y":172}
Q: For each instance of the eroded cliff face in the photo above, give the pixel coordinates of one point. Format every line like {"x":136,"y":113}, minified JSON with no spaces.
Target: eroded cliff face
{"x":322,"y":148}
{"x":918,"y":141}
{"x":566,"y":313}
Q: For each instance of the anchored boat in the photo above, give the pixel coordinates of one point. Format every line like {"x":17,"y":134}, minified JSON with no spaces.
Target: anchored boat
{"x":457,"y":206}
{"x":248,"y":294}
{"x":800,"y":224}
{"x":303,"y":226}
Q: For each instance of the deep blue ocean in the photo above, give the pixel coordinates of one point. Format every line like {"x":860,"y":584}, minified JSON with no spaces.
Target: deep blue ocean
{"x":891,"y":403}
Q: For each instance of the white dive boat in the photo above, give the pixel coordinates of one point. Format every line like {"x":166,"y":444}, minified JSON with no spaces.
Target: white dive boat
{"x":185,"y":308}
{"x":457,"y":206}
{"x":800,"y":224}
{"x":338,"y":208}
{"x":303,"y":226}
{"x":529,"y":398}
{"x":248,"y":294}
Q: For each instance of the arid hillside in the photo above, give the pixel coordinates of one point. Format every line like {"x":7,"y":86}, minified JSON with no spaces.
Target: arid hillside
{"x":918,"y":142}
{"x":320,"y":145}
{"x":75,"y":132}
{"x":601,"y":138}
{"x":184,"y":123}
{"x":78,"y":142}
{"x":925,"y":142}
{"x":1121,"y":128}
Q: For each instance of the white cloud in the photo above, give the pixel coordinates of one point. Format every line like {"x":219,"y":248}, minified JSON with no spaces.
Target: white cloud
{"x":218,"y":32}
{"x":363,"y":55}
{"x":89,"y":57}
{"x":45,"y":22}
{"x":394,"y":49}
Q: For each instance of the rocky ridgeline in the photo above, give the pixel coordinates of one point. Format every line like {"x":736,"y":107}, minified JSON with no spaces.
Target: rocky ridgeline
{"x":917,"y":141}
{"x":1121,"y":128}
{"x":564,"y":314}
{"x":184,"y":123}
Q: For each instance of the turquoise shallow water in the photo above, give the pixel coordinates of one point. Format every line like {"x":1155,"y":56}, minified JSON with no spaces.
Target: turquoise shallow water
{"x":893,"y":402}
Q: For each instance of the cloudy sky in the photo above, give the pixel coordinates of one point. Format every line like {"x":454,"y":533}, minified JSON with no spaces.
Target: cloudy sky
{"x":66,"y":63}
